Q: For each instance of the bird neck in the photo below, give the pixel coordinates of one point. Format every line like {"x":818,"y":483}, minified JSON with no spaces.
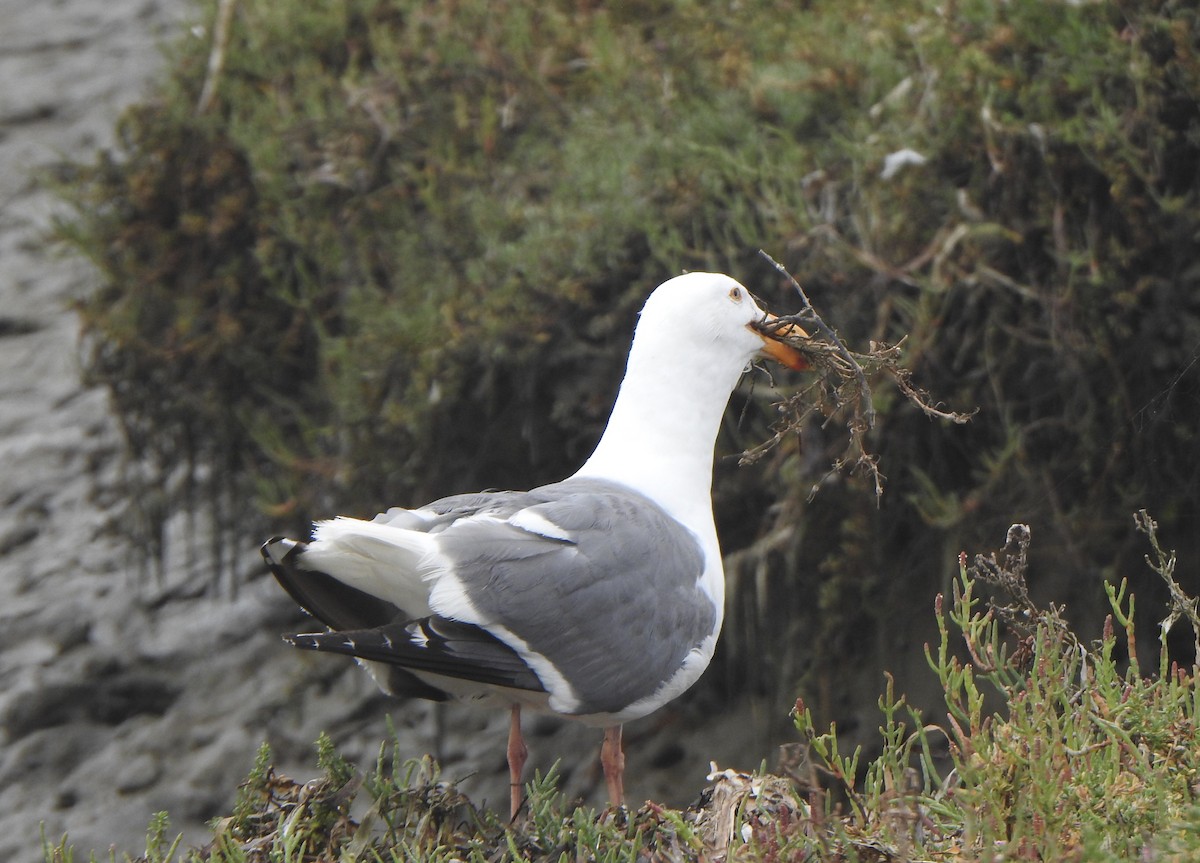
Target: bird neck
{"x":660,"y":437}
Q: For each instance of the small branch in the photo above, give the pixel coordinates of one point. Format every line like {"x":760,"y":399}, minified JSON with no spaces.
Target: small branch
{"x":840,"y":389}
{"x":864,"y":390}
{"x":1163,"y":563}
{"x":920,"y":398}
{"x":216,"y":55}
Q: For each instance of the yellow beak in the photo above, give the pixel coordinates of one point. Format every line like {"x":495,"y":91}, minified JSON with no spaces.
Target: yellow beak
{"x":777,"y":350}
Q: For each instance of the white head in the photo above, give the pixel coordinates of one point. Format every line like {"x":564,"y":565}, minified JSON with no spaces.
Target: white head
{"x":709,"y":318}
{"x":695,"y":337}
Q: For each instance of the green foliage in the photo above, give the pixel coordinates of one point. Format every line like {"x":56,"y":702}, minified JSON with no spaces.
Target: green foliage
{"x":1081,"y":759}
{"x":401,"y":255}
{"x":256,"y":785}
{"x":63,"y":852}
{"x":339,"y":771}
{"x":412,"y":814}
{"x":1070,"y":754}
{"x":159,"y":848}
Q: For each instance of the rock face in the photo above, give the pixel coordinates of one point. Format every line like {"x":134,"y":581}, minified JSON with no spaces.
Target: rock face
{"x":118,"y":697}
{"x":123,"y":695}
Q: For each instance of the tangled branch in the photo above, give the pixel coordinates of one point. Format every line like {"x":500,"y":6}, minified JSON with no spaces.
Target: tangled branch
{"x":841,"y":388}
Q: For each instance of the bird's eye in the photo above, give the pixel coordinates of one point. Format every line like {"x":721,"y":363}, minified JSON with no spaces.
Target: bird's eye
{"x":735,"y":294}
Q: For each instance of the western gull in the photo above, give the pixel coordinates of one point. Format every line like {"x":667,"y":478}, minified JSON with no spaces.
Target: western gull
{"x":597,"y":598}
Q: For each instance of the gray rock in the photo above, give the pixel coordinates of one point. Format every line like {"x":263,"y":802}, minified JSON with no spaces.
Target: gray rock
{"x":138,"y":774}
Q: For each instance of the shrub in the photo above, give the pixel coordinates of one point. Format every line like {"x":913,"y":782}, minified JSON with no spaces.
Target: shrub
{"x":1073,"y":755}
{"x":401,"y":253}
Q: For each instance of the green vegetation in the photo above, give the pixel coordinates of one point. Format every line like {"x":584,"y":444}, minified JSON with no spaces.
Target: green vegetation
{"x":400,"y":254}
{"x":1083,"y":760}
{"x":1073,"y":756}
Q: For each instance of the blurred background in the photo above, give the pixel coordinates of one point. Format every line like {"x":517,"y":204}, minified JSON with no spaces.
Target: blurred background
{"x":349,"y":255}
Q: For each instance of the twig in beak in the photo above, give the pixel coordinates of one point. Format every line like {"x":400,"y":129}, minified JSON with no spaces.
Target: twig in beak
{"x":864,"y":390}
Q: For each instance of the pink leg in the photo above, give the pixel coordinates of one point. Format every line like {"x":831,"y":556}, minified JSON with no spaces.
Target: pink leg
{"x":613,"y":761}
{"x":517,"y":753}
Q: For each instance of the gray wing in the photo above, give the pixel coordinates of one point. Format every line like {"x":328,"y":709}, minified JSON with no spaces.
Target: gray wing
{"x":367,"y":627}
{"x":593,"y":578}
{"x":608,"y":593}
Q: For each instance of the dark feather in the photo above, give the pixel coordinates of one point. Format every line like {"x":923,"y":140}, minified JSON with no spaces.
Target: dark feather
{"x":337,"y":605}
{"x":340,"y":606}
{"x":432,"y":644}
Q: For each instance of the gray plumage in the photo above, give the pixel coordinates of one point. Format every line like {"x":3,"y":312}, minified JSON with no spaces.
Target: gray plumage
{"x":578,"y":597}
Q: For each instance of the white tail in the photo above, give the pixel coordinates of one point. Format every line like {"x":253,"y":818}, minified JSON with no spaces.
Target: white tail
{"x":391,"y":563}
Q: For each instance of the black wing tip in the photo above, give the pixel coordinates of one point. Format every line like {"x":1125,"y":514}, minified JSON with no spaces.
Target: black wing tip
{"x":277,"y":550}
{"x":434,"y":645}
{"x":332,"y":641}
{"x":305,"y":640}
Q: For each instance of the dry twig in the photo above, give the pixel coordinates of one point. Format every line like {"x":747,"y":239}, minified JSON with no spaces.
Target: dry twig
{"x":216,"y":56}
{"x":842,"y":387}
{"x":1163,"y":562}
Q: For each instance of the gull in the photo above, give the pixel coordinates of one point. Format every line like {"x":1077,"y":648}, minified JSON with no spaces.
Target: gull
{"x":598,"y":598}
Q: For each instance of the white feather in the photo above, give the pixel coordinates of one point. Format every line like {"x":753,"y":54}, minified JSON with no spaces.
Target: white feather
{"x":388,"y":562}
{"x":533,"y":522}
